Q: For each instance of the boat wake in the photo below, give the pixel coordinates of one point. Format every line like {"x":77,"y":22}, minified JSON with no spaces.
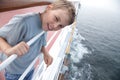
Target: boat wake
{"x":78,"y":70}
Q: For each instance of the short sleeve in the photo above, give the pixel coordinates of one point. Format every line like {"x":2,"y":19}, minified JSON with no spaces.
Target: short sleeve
{"x":13,"y":31}
{"x":44,"y":37}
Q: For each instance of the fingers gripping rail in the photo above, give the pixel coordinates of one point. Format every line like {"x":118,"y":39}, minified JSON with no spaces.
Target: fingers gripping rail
{"x":10,"y":59}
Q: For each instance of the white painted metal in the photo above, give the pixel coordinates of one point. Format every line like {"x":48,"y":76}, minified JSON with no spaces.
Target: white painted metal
{"x":55,"y":51}
{"x":32,"y":64}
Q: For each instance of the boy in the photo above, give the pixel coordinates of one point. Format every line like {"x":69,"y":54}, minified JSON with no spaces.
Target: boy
{"x":21,"y":28}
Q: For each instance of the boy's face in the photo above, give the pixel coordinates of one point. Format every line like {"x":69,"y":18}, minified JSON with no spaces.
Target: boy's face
{"x":53,"y":20}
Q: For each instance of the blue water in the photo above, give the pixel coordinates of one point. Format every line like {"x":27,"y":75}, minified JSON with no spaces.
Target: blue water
{"x":95,"y":50}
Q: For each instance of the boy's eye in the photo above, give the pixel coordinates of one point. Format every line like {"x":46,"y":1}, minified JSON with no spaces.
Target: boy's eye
{"x":56,"y":19}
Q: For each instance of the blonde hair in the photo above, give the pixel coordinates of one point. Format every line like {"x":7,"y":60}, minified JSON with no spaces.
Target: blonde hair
{"x":65,"y":5}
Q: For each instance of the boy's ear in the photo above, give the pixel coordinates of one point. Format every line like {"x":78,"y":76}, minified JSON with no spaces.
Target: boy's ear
{"x":49,"y":7}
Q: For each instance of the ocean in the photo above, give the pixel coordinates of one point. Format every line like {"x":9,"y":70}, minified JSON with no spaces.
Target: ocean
{"x":95,"y":49}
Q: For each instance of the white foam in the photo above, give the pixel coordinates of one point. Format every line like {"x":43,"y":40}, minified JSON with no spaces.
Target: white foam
{"x":77,"y":48}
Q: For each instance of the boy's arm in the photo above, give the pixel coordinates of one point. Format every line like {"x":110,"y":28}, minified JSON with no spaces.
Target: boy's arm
{"x":19,"y":49}
{"x":4,"y":45}
{"x":47,"y":58}
{"x":10,"y":34}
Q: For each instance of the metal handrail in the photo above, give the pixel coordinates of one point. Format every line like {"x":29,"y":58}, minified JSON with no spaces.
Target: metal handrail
{"x":32,"y":63}
{"x":14,"y":56}
{"x":49,"y":73}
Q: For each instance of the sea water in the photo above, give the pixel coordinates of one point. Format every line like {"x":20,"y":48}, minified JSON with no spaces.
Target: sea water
{"x":95,"y":49}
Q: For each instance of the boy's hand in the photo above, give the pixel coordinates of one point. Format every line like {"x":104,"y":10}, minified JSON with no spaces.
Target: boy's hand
{"x":48,"y":59}
{"x":20,"y":49}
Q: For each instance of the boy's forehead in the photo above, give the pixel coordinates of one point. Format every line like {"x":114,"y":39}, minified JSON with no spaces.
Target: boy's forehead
{"x":63,"y":15}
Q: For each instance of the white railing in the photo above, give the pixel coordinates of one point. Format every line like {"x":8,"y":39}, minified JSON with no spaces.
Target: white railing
{"x":10,"y":59}
{"x":52,"y":72}
{"x":32,"y":64}
{"x":44,"y":73}
{"x":57,"y":51}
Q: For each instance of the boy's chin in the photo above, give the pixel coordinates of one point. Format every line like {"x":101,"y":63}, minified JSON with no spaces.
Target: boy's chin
{"x":45,"y":29}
